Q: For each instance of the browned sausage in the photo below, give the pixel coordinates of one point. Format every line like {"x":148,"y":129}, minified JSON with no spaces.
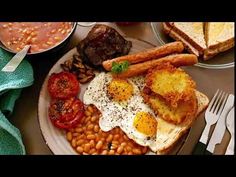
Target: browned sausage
{"x":154,"y":53}
{"x":176,"y":60}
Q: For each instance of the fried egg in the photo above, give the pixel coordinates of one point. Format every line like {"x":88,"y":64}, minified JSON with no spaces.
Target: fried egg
{"x":121,"y":105}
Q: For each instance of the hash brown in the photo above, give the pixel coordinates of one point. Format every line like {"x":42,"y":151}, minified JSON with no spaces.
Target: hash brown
{"x":171,"y":83}
{"x":169,"y":134}
{"x":176,"y":115}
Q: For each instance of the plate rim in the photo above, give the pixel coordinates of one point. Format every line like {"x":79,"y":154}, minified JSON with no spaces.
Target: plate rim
{"x":45,"y":138}
{"x":199,"y":64}
{"x":55,"y":65}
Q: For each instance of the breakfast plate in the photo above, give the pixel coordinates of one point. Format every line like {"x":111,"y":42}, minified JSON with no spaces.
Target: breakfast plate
{"x":220,"y":61}
{"x":56,"y":138}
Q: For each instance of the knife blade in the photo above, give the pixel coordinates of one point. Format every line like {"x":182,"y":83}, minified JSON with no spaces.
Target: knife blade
{"x":220,"y":127}
{"x":230,"y":127}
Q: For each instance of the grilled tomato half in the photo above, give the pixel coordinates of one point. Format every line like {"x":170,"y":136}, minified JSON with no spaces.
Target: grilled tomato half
{"x":63,"y":85}
{"x":66,"y":113}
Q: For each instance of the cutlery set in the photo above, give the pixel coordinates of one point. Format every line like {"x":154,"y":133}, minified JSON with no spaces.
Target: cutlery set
{"x":220,"y":112}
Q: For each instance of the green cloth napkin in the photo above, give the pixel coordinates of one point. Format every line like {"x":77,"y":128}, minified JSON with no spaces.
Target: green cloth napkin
{"x":20,"y":78}
{"x":7,"y":101}
{"x":11,"y":85}
{"x":10,"y":138}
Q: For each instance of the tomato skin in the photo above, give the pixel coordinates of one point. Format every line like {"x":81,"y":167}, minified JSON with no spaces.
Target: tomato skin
{"x":66,"y":113}
{"x":63,"y":85}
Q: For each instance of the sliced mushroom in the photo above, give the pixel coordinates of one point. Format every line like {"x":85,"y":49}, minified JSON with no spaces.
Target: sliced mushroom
{"x":76,"y":65}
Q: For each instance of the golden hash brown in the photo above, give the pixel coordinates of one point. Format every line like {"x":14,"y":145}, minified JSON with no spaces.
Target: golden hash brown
{"x":173,"y":84}
{"x":182,"y":113}
{"x":169,"y":134}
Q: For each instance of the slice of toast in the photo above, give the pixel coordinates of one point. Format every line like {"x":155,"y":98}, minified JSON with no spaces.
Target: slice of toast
{"x":168,"y":134}
{"x":219,"y":38}
{"x":190,"y":33}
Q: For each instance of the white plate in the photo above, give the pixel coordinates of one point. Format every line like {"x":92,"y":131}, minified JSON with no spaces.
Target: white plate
{"x":55,"y":138}
{"x":220,"y":61}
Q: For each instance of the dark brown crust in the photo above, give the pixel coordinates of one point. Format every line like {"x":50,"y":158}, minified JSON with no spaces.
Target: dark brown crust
{"x":101,"y":43}
{"x":167,"y":26}
{"x":187,"y":38}
{"x":224,"y":45}
{"x":189,"y":47}
{"x":206,"y":27}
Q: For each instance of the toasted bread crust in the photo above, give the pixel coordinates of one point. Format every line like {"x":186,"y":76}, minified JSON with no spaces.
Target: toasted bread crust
{"x":167,"y":27}
{"x":203,"y":102}
{"x":189,"y":39}
{"x":178,"y":35}
{"x":193,"y":47}
{"x":206,"y":30}
{"x":218,"y":48}
{"x":166,"y":150}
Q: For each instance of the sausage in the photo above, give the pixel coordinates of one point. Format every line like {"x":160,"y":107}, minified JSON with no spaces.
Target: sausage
{"x":153,"y":53}
{"x":175,"y":59}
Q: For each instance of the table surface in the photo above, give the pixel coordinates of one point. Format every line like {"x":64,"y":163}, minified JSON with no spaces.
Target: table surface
{"x":25,"y":113}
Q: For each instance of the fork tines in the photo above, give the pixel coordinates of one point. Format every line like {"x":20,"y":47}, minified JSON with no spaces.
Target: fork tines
{"x":217,"y":103}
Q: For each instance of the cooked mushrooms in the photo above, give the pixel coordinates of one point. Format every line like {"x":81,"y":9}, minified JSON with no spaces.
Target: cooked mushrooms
{"x":76,"y":65}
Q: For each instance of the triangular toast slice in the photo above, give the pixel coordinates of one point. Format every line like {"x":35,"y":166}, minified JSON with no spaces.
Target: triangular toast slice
{"x":190,"y":33}
{"x":219,"y":37}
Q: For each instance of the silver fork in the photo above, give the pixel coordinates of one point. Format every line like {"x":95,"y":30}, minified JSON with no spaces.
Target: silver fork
{"x":212,"y":114}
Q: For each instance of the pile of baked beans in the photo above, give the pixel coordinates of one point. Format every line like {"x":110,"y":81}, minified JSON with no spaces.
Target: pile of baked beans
{"x":88,"y":139}
{"x":40,"y":35}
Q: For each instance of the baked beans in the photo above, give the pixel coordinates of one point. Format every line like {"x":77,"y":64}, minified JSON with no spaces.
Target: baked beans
{"x":40,"y":35}
{"x":89,"y":139}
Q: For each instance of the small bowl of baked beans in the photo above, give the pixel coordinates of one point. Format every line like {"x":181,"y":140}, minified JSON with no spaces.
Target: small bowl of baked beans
{"x":41,"y":36}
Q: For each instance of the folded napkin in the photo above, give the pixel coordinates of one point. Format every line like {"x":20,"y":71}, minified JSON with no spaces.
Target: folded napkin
{"x":11,"y":85}
{"x":20,"y":78}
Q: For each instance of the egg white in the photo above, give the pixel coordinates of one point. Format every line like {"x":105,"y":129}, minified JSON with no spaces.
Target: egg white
{"x":119,"y":114}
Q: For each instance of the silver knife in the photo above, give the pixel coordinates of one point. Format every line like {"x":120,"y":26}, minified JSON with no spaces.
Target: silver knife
{"x":220,"y":127}
{"x":16,"y":60}
{"x":230,"y":127}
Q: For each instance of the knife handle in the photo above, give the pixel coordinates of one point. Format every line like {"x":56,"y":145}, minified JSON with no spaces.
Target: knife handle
{"x":199,"y":149}
{"x":208,"y":152}
{"x":230,"y":148}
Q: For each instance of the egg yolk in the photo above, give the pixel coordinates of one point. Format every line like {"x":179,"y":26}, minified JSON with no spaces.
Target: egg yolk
{"x":145,"y":123}
{"x":120,"y":90}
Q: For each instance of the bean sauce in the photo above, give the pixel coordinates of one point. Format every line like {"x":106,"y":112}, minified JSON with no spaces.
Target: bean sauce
{"x":40,"y":35}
